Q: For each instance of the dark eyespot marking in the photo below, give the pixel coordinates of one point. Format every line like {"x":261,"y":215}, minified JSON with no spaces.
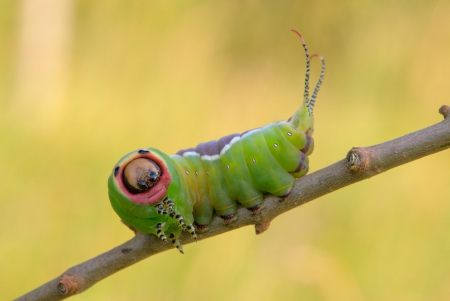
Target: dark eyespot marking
{"x":116,"y":171}
{"x":153,"y":176}
{"x":143,"y":151}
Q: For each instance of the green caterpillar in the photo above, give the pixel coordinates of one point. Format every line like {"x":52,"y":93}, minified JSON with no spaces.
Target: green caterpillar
{"x":165,"y":195}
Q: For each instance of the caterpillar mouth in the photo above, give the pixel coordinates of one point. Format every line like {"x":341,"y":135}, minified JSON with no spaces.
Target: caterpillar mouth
{"x":157,"y":196}
{"x":150,"y":196}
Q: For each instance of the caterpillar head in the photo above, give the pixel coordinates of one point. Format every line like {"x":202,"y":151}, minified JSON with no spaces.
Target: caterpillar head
{"x":147,"y":192}
{"x":142,"y":177}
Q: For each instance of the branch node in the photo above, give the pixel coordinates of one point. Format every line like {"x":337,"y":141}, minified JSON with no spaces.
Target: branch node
{"x":67,"y":285}
{"x":261,"y":227}
{"x":356,"y":160}
{"x":444,"y":111}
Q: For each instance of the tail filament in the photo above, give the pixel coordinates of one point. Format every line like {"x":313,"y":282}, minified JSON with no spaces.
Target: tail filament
{"x":310,"y":102}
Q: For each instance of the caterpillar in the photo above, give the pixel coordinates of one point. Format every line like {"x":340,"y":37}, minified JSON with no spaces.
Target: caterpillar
{"x":155,"y":193}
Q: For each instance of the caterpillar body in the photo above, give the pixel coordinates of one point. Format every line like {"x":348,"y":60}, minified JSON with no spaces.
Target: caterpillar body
{"x":164,"y":195}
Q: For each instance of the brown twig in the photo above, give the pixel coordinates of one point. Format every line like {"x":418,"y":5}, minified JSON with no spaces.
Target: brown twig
{"x":361,"y":163}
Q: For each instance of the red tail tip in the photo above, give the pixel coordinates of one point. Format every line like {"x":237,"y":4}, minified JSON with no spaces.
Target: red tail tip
{"x":301,"y":37}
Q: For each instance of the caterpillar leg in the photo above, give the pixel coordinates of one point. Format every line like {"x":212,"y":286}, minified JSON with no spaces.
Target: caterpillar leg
{"x":190,"y":228}
{"x":176,"y":243}
{"x":200,"y":227}
{"x":179,"y":219}
{"x":165,"y":207}
{"x":255,"y":209}
{"x":161,"y":209}
{"x":228,"y":218}
{"x":253,"y":204}
{"x":160,"y":233}
{"x":169,"y":204}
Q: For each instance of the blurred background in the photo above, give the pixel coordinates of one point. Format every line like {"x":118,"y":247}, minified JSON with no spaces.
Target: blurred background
{"x":84,"y":82}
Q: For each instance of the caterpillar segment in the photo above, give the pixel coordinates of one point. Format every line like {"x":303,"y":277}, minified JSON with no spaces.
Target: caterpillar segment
{"x":163,"y":195}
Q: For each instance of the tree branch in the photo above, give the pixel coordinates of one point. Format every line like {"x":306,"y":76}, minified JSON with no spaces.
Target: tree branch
{"x":361,"y":163}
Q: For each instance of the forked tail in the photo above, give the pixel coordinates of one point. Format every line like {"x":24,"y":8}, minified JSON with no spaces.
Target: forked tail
{"x":308,"y":103}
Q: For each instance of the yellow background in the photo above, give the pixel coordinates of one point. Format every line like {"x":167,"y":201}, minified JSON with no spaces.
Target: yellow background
{"x":84,"y":82}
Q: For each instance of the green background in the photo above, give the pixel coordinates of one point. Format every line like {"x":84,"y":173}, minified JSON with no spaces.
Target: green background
{"x":84,"y":82}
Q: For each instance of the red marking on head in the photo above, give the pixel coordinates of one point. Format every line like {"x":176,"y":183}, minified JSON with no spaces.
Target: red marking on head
{"x":156,"y":193}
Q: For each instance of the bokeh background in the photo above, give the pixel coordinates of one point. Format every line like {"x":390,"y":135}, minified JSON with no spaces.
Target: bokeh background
{"x":84,"y":82}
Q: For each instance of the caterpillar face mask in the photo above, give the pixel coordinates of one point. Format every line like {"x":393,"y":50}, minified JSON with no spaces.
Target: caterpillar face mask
{"x":164,"y":195}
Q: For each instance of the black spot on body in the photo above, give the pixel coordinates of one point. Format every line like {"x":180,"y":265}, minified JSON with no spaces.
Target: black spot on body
{"x":116,"y":171}
{"x":143,"y":151}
